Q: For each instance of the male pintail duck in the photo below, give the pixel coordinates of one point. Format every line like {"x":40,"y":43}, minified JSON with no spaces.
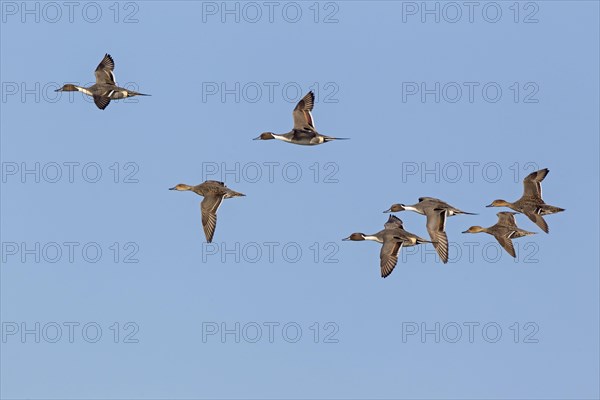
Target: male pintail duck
{"x":304,"y":132}
{"x":531,"y":203}
{"x":393,"y":237}
{"x":504,"y":231}
{"x":436,"y":211}
{"x":213,"y":192}
{"x":105,"y":88}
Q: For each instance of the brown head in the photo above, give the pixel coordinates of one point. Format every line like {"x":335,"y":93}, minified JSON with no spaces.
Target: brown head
{"x":357,"y":236}
{"x":69,"y":87}
{"x":181,"y":186}
{"x":265,"y":136}
{"x":499,"y":203}
{"x":395,"y":208}
{"x":475,"y":229}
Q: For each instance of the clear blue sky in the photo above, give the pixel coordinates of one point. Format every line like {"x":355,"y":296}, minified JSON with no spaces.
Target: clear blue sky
{"x":366,"y":66}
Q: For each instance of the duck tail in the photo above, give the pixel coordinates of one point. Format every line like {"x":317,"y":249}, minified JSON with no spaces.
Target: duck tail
{"x":132,"y":93}
{"x":236,"y":194}
{"x":329,"y":138}
{"x":553,"y":210}
{"x":527,"y":233}
{"x":421,"y":241}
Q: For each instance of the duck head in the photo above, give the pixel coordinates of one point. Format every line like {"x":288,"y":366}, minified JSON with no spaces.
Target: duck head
{"x":499,"y":203}
{"x":475,"y":229}
{"x":395,"y":208}
{"x":265,"y":136}
{"x":181,"y":187}
{"x":69,"y":87}
{"x":357,"y":237}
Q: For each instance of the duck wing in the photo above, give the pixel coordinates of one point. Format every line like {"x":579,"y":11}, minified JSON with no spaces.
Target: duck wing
{"x":209,"y":207}
{"x":101,"y":102}
{"x":104,"y":71}
{"x":436,"y":225}
{"x":538,"y":220}
{"x":532,"y":184}
{"x":506,"y":243}
{"x":432,"y":199}
{"x":389,"y":256}
{"x":393,"y":222}
{"x":219,"y":183}
{"x":303,"y":119}
{"x":507,"y":218}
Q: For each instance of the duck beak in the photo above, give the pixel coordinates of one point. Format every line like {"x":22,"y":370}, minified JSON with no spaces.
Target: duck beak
{"x":387,"y":211}
{"x":173,"y":188}
{"x":465,"y":232}
{"x":59,"y":90}
{"x":490,"y":205}
{"x":345,"y":239}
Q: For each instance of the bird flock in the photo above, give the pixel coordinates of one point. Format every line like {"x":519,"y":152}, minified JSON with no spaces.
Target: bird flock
{"x":393,"y":237}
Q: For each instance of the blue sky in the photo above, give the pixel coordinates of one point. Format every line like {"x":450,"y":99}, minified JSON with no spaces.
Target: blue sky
{"x":216,"y":83}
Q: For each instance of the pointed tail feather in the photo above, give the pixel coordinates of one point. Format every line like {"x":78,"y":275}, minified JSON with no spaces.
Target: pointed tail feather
{"x":552,"y":209}
{"x":421,"y":241}
{"x":468,"y":213}
{"x":236,"y":194}
{"x":329,"y":139}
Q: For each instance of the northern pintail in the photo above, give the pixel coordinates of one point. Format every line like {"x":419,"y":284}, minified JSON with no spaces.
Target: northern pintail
{"x":304,"y":132}
{"x":393,"y":237}
{"x":213,"y":192}
{"x":105,"y":89}
{"x":531,"y":203}
{"x":436,"y":212}
{"x":504,"y":231}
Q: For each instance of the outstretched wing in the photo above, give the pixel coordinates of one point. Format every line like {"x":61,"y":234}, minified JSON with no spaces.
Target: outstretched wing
{"x":104,"y":72}
{"x":436,"y":224}
{"x":539,"y":221}
{"x":532,"y":184}
{"x":101,"y":102}
{"x":303,"y":119}
{"x":393,"y":222}
{"x":507,"y":218}
{"x":507,"y":244}
{"x":209,"y":207}
{"x":389,"y":256}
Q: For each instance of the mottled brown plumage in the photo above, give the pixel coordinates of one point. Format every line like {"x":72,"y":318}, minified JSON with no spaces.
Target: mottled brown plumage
{"x":213,"y":192}
{"x":531,"y":203}
{"x":504,"y":231}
